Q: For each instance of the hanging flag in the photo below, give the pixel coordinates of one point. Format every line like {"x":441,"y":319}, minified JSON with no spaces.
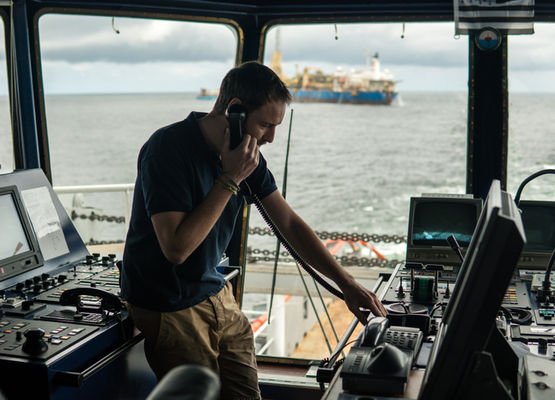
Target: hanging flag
{"x":515,"y":17}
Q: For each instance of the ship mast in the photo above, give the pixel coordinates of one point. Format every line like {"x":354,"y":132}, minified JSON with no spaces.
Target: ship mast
{"x":276,"y":56}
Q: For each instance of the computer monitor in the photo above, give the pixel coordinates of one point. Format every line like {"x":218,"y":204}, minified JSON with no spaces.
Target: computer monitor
{"x":434,"y":218}
{"x":19,"y":251}
{"x":538,"y":218}
{"x":483,"y":279}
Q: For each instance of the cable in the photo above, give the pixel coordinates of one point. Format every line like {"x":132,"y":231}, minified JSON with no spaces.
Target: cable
{"x":325,"y":362}
{"x":522,"y":317}
{"x":436,"y":307}
{"x":531,"y":177}
{"x":290,"y":248}
{"x":545,"y":293}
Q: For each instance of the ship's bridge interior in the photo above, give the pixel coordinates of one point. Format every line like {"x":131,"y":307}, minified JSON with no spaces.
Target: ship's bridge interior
{"x":413,"y":130}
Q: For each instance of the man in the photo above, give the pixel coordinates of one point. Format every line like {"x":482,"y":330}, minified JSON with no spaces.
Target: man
{"x":185,"y":204}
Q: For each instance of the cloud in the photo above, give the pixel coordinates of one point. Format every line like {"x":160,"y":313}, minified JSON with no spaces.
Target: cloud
{"x":91,"y":38}
{"x":87,"y":39}
{"x":423,"y":44}
{"x":84,"y":53}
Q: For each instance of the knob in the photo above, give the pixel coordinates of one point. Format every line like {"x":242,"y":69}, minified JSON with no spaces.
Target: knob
{"x":89,"y":260}
{"x":105,"y":260}
{"x":26,"y":305}
{"x":96,"y":255}
{"x":61,"y":278}
{"x":45,"y":276}
{"x":37,"y":288}
{"x":28,"y":283}
{"x":19,"y":286}
{"x":36,"y":279}
{"x":112,"y":256}
{"x":34,"y":343}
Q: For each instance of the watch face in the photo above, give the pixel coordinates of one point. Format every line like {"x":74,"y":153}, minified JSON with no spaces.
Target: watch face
{"x":488,"y":39}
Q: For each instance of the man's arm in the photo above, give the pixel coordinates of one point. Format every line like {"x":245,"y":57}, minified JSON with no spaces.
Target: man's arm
{"x":311,"y":249}
{"x":179,"y":233}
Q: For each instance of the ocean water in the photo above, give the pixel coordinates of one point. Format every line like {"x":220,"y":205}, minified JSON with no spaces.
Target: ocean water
{"x":352,"y":168}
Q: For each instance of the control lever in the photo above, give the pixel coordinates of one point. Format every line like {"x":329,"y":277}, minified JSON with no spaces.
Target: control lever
{"x":401,"y":292}
{"x":412,"y":266}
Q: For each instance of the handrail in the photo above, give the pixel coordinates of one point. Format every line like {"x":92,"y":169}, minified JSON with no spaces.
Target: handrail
{"x":117,"y":187}
{"x":126,"y":188}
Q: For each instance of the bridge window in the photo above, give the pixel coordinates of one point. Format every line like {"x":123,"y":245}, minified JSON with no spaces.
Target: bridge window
{"x":531,"y":119}
{"x":379,"y":116}
{"x":109,"y":84}
{"x":6,"y":142}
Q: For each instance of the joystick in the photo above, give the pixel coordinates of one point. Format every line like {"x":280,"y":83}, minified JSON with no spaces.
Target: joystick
{"x":401,"y":292}
{"x":34,"y":343}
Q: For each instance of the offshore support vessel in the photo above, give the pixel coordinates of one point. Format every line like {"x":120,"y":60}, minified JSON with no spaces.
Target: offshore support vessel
{"x":371,"y":85}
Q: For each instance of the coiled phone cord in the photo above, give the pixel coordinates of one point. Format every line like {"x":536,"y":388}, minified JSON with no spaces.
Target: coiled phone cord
{"x":288,"y":247}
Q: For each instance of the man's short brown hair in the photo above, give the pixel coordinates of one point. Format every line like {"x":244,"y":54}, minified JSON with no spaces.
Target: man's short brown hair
{"x":254,"y":84}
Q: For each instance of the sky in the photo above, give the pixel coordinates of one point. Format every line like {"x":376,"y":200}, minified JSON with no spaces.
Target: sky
{"x":85,"y":54}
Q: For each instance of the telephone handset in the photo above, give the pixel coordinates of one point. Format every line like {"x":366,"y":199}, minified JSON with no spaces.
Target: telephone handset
{"x":378,"y":331}
{"x":108,"y":301}
{"x":374,"y":332}
{"x":236,"y":114}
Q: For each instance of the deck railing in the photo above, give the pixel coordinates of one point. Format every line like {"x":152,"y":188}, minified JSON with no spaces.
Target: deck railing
{"x":125,"y":188}
{"x":334,"y":240}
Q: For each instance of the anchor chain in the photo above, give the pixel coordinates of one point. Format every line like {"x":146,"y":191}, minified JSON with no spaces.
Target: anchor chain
{"x":96,"y":242}
{"x":323,"y":235}
{"x":264,"y":255}
{"x":98,"y":217}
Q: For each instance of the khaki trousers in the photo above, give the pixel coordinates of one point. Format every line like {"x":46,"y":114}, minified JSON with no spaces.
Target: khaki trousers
{"x":214,"y":333}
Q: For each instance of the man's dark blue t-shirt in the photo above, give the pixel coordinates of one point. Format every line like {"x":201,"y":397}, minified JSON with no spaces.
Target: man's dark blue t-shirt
{"x":176,"y":170}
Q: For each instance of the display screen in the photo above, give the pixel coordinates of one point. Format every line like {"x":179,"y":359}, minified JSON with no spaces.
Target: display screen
{"x":13,"y":240}
{"x":434,"y":221}
{"x":19,"y":251}
{"x":538,"y":219}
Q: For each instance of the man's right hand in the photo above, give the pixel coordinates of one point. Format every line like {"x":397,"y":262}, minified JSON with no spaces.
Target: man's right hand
{"x":240,"y":162}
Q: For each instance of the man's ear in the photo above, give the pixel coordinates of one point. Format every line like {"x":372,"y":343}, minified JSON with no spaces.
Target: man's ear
{"x":235,"y":100}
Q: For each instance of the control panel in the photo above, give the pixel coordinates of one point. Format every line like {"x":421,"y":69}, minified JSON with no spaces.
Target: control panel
{"x":61,"y":318}
{"x":38,"y":339}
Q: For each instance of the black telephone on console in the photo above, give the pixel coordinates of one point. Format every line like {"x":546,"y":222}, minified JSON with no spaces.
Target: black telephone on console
{"x":108,"y":301}
{"x":236,"y":115}
{"x":382,"y":361}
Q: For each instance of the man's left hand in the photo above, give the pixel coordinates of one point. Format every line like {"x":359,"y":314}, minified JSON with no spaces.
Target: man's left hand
{"x":361,"y":301}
